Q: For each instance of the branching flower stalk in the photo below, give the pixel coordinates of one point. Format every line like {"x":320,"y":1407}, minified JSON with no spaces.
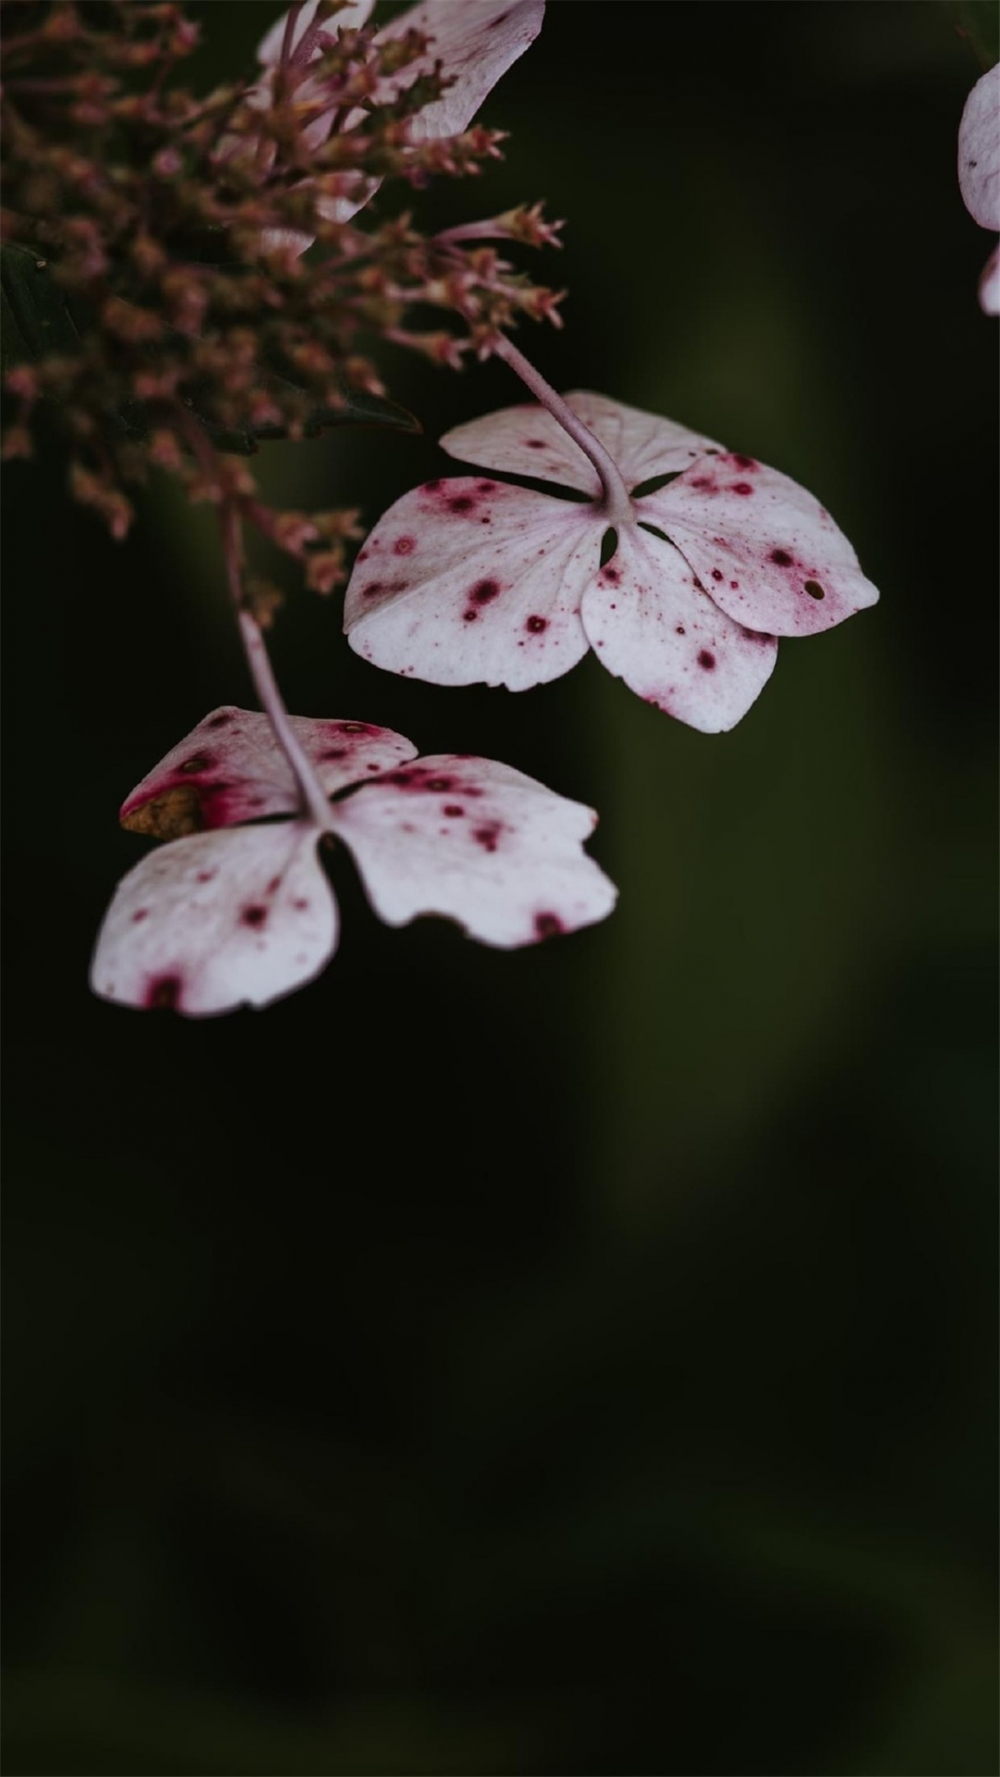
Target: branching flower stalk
{"x":185,"y":278}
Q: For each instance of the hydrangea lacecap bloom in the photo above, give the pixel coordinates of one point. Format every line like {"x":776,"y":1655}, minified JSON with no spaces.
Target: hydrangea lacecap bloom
{"x":979,"y":173}
{"x":226,"y":915}
{"x":473,"y":580}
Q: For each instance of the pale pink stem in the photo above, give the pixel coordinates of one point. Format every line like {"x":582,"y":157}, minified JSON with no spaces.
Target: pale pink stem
{"x":289,"y":32}
{"x":317,"y":33}
{"x":473,"y":231}
{"x":617,"y":503}
{"x":262,"y":673}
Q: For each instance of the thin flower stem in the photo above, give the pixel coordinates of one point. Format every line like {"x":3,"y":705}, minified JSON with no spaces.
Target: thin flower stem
{"x":472,"y":231}
{"x":262,"y":673}
{"x":288,"y":36}
{"x":617,"y":502}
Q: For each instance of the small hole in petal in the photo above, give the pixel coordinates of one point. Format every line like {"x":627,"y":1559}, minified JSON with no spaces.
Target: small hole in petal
{"x":654,"y":482}
{"x":814,"y":589}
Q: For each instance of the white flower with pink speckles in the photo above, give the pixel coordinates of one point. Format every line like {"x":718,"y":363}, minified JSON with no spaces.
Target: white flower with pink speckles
{"x":979,"y":173}
{"x":474,"y":580}
{"x":227,"y":915}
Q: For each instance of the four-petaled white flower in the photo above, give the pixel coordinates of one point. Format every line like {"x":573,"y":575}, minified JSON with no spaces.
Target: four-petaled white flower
{"x":474,"y":580}
{"x":979,"y":173}
{"x":234,"y":915}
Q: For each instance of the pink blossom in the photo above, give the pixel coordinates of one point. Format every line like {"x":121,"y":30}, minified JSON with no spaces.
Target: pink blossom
{"x":242,"y":914}
{"x":474,"y":580}
{"x":979,"y":172}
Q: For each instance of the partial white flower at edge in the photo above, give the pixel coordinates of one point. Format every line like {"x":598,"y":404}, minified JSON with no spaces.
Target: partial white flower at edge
{"x":979,"y":173}
{"x":243,"y":914}
{"x":473,"y":580}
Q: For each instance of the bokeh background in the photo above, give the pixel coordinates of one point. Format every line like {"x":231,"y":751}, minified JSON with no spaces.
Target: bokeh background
{"x":578,"y":1360}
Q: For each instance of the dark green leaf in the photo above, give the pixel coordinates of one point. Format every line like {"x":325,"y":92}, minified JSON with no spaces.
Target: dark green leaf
{"x":36,"y":320}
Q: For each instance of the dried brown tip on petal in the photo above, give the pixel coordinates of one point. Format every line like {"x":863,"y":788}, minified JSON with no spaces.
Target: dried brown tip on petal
{"x":173,"y":815}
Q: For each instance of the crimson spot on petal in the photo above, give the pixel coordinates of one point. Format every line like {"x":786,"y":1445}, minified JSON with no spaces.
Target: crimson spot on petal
{"x":485,"y":591}
{"x":163,"y":993}
{"x":547,"y":925}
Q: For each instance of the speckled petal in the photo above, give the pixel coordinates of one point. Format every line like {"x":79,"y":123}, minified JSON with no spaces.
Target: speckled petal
{"x":764,"y":549}
{"x":465,"y":582}
{"x":526,"y":440}
{"x":349,"y":18}
{"x":477,"y":842}
{"x":979,"y":150}
{"x":476,"y":41}
{"x":231,"y":769}
{"x":651,"y":625}
{"x":218,"y":921}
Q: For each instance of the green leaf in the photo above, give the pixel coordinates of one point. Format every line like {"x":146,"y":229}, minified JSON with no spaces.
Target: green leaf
{"x":364,"y":410}
{"x":36,"y":320}
{"x":358,"y":410}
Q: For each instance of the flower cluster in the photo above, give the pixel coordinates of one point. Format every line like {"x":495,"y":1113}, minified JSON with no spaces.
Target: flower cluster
{"x":185,"y":277}
{"x":156,"y":298}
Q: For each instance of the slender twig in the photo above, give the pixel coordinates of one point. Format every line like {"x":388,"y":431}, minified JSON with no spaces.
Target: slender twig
{"x":262,"y":673}
{"x":288,"y":36}
{"x":617,"y":502}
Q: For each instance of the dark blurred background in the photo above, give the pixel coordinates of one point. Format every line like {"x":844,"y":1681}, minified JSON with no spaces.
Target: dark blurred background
{"x":577,"y":1360}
